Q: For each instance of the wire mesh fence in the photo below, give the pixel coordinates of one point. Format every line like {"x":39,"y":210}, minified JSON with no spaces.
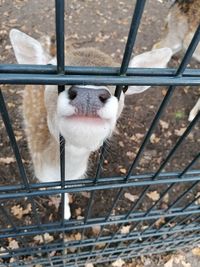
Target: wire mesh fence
{"x":117,"y":231}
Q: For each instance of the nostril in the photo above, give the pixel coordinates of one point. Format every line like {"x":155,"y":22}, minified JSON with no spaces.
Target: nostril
{"x":104,"y":97}
{"x":72,"y":93}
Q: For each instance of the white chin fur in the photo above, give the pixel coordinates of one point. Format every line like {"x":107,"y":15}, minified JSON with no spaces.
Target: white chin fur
{"x":87,"y":135}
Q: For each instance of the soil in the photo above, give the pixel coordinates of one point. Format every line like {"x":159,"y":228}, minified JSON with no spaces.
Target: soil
{"x":103,"y":24}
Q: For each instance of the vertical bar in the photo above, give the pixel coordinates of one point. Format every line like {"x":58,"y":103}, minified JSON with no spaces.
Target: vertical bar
{"x":23,"y":176}
{"x":136,"y":18}
{"x":135,"y":23}
{"x":60,"y":43}
{"x":60,"y":54}
{"x":193,"y":44}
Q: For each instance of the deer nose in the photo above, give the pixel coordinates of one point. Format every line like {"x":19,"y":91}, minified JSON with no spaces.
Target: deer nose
{"x":88,"y":101}
{"x":102,"y":94}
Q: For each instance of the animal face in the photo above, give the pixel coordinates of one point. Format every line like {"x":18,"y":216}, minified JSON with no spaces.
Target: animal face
{"x":84,"y":115}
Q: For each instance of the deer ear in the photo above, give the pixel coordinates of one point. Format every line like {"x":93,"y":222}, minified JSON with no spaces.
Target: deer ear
{"x":27,"y":50}
{"x":157,"y":58}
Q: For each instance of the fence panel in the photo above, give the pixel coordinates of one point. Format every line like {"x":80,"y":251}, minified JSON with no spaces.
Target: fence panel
{"x":121,"y":230}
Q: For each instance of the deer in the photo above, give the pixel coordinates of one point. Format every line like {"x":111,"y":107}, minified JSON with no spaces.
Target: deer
{"x":84,"y":115}
{"x":182,"y":21}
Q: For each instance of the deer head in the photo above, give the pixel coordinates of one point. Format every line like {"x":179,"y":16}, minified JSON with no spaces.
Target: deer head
{"x":84,"y":115}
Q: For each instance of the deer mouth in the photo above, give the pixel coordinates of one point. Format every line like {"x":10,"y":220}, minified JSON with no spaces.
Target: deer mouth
{"x":86,"y":119}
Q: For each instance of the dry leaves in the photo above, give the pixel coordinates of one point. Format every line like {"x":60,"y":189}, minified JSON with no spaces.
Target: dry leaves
{"x":96,"y":229}
{"x":13,"y":244}
{"x":180,"y":131}
{"x":77,"y":236}
{"x":125,"y":229}
{"x":164,"y":124}
{"x":130,"y":197}
{"x":18,"y":211}
{"x":153,"y":195}
{"x":40,"y":238}
{"x":160,"y":222}
{"x":122,"y":170}
{"x":130,"y":154}
{"x":154,"y":139}
{"x":118,"y":263}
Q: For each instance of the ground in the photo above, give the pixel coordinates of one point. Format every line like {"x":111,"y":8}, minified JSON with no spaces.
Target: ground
{"x":103,"y":24}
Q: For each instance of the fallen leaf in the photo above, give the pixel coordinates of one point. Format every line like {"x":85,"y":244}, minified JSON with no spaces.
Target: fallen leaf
{"x":131,"y":197}
{"x":13,"y":244}
{"x":160,"y":222}
{"x":18,"y":211}
{"x":96,"y":229}
{"x":154,"y":139}
{"x":118,"y":263}
{"x":196,"y":251}
{"x":164,"y":124}
{"x":139,"y":135}
{"x":125,"y":229}
{"x":180,"y":131}
{"x":154,"y":195}
{"x":48,"y":238}
{"x":130,"y":154}
{"x":7,"y":160}
{"x":122,"y":170}
{"x":77,"y":236}
{"x":38,"y":239}
{"x":166,"y":198}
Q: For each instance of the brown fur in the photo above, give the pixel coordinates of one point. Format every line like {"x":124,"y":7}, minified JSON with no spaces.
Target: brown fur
{"x":190,"y":8}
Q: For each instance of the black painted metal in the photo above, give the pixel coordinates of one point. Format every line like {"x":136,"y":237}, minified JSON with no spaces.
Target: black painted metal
{"x":180,"y":228}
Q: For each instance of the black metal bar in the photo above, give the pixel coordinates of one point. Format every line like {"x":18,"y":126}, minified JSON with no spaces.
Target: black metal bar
{"x":60,"y":45}
{"x":179,"y":72}
{"x":23,"y":176}
{"x":53,"y":79}
{"x":139,"y":8}
{"x":75,"y":189}
{"x":85,"y":70}
{"x":185,"y":230}
{"x":191,"y":176}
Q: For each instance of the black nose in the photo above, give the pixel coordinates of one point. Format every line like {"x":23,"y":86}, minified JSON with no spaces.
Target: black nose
{"x":72,"y":92}
{"x":88,"y":101}
{"x":103,"y":97}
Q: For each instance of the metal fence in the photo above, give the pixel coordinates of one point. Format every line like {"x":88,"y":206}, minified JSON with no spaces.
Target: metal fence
{"x":178,"y":225}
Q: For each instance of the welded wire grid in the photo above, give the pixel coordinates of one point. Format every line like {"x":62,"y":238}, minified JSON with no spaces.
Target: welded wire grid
{"x":178,"y":225}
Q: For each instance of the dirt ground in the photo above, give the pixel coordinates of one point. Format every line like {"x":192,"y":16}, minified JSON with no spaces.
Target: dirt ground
{"x":104,"y":24}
